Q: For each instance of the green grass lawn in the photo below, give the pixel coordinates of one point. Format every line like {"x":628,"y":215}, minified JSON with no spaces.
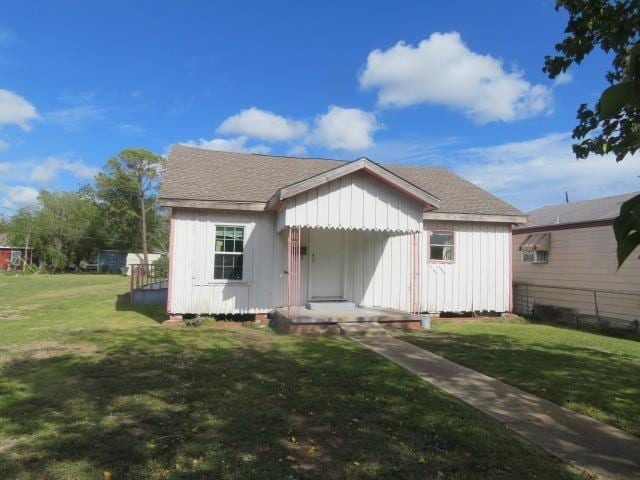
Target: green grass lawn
{"x":595,"y":375}
{"x":87,"y":386}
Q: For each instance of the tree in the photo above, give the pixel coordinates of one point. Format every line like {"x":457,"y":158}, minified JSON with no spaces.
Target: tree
{"x":613,"y":124}
{"x":128,"y":189}
{"x":63,"y":228}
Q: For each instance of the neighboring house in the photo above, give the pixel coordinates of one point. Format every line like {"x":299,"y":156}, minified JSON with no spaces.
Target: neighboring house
{"x":13,"y":257}
{"x":252,"y":232}
{"x":138,"y":259}
{"x":564,"y":261}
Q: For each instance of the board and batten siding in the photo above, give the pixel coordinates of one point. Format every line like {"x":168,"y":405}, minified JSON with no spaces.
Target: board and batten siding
{"x":378,"y":274}
{"x":376,"y":268}
{"x":480,"y":276}
{"x":193,"y":288}
{"x":582,"y":258}
{"x":355,"y":201}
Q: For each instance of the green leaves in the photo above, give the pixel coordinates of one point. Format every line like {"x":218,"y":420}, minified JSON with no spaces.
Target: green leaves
{"x":617,"y":97}
{"x":626,"y":228}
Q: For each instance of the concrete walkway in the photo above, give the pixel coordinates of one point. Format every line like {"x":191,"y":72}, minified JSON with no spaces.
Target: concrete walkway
{"x":590,"y":445}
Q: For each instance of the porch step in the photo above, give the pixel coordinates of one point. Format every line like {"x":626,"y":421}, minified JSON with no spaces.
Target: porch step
{"x":331,"y":305}
{"x":364,"y":329}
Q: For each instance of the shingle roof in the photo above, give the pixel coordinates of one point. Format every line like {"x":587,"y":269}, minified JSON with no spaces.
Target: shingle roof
{"x":606,"y":208}
{"x":199,"y":174}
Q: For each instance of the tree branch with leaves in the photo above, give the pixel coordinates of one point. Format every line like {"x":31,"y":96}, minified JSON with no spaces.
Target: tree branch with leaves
{"x":612,"y":125}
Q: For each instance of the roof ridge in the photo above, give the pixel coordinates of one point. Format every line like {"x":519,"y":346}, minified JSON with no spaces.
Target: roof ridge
{"x":570,"y":204}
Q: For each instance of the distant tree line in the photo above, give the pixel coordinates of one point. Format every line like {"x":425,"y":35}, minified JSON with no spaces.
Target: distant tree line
{"x":118,"y":211}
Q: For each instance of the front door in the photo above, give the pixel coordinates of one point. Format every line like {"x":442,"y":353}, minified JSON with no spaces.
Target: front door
{"x":326,"y":264}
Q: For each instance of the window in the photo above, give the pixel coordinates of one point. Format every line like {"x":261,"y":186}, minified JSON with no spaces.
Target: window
{"x":228,"y":256}
{"x":16,"y":258}
{"x":535,"y":256}
{"x":441,"y":246}
{"x":535,"y":248}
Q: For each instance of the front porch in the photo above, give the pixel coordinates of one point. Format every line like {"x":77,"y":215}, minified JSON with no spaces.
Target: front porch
{"x":303,"y":320}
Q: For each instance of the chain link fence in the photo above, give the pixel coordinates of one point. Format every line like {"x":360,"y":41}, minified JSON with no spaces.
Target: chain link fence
{"x":606,"y":310}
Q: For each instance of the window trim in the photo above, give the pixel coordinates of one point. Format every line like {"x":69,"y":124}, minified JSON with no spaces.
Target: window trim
{"x":244,"y":244}
{"x":453,"y":235}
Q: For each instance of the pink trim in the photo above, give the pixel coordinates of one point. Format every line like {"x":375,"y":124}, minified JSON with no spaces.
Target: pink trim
{"x":455,"y":242}
{"x":294,"y":260}
{"x":172,"y":246}
{"x":510,"y":269}
{"x":415,"y":276}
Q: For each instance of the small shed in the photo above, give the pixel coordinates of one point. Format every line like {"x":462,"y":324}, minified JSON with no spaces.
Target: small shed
{"x":13,"y":258}
{"x":138,"y":259}
{"x":111,"y":261}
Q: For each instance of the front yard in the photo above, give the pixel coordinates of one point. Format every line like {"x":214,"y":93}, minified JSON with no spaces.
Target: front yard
{"x":592,"y":374}
{"x":88,"y":387}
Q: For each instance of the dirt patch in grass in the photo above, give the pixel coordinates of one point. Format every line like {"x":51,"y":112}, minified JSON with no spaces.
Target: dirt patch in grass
{"x":47,"y":350}
{"x":11,"y":316}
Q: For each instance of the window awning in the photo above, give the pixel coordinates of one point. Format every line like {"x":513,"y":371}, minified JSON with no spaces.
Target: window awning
{"x":536,"y":241}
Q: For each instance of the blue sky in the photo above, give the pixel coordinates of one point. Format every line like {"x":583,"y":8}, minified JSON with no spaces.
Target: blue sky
{"x":457,"y":84}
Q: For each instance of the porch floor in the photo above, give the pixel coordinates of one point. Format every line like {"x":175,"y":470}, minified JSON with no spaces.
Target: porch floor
{"x":303,"y":320}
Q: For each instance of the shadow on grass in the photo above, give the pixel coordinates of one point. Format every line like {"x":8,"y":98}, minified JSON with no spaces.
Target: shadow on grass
{"x":597,"y":383}
{"x":157,"y":313}
{"x":214,"y":403}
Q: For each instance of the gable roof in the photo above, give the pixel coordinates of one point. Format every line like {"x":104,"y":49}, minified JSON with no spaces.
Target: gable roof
{"x":201,"y":175}
{"x":595,"y":210}
{"x":361,"y":164}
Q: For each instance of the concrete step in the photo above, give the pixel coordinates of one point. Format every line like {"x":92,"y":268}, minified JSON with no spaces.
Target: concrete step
{"x":329,"y":305}
{"x":364,"y":329}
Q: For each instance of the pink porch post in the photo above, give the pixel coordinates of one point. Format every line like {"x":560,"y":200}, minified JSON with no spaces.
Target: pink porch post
{"x":293,"y":268}
{"x":415,"y":265}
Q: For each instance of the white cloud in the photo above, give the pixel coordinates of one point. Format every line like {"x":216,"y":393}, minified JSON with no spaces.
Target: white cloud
{"x":238,"y":144}
{"x":130,"y":129}
{"x":4,"y":145}
{"x":19,"y":196}
{"x":74,"y":118}
{"x":49,"y":169}
{"x":344,"y":128}
{"x":536,"y":172}
{"x":442,"y":70}
{"x":262,"y":124}
{"x":298,"y":151}
{"x":14,"y":109}
{"x":563,"y":79}
{"x":5,"y":167}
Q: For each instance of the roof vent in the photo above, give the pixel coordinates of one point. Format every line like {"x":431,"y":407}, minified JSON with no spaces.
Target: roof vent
{"x":557,"y":219}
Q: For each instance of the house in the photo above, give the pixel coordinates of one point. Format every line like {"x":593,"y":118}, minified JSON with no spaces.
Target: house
{"x":252,"y":232}
{"x":565,"y":266}
{"x":13,"y":257}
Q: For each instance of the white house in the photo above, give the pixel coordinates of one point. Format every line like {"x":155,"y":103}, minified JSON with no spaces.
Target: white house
{"x":253,"y":232}
{"x":565,"y":265}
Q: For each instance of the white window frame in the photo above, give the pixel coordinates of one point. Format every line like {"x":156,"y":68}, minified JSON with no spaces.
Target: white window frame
{"x":538,"y":256}
{"x":216,"y":253}
{"x":453,"y":246}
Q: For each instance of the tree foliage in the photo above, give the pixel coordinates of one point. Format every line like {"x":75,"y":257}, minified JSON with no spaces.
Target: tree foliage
{"x":113,"y":213}
{"x":612,"y":125}
{"x":64,"y":228}
{"x":127,"y":190}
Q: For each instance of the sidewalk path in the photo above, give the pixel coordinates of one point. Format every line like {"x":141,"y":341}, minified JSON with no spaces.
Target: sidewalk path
{"x":593,"y":446}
